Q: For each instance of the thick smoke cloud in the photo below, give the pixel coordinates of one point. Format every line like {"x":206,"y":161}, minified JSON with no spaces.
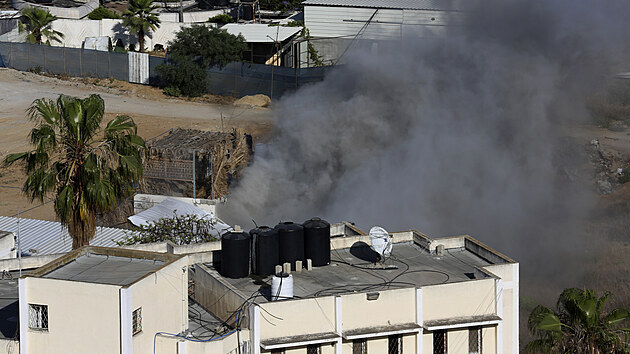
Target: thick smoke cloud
{"x":459,"y":135}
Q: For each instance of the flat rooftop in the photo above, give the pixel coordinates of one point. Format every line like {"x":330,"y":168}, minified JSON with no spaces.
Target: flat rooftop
{"x":353,"y":270}
{"x":105,"y":269}
{"x":203,"y":325}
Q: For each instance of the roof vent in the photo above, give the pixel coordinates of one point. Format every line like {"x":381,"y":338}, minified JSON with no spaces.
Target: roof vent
{"x":439,"y":250}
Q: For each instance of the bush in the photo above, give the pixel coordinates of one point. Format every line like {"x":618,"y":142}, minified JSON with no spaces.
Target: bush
{"x":101,"y":12}
{"x":184,"y":77}
{"x":207,"y":46}
{"x":223,"y":18}
{"x":180,"y":229}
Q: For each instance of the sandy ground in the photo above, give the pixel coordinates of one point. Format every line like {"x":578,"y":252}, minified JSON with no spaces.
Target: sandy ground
{"x":153,"y":112}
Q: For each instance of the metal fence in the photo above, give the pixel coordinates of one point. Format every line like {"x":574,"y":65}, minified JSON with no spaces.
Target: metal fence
{"x":64,"y":61}
{"x":237,"y":79}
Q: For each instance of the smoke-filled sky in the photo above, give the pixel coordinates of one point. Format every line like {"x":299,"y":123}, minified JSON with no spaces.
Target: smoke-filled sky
{"x":461,"y":135}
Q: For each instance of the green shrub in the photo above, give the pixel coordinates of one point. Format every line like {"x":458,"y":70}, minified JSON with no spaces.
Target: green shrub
{"x":625,"y":178}
{"x":223,"y":18}
{"x":184,"y":77}
{"x":101,"y":12}
{"x":35,"y":69}
{"x":172,"y":91}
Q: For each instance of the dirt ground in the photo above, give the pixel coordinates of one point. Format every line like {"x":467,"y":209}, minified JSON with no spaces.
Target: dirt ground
{"x":153,"y":112}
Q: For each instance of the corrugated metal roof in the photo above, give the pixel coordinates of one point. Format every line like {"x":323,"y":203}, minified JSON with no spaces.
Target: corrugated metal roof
{"x":261,"y":33}
{"x":48,"y":237}
{"x":444,"y":5}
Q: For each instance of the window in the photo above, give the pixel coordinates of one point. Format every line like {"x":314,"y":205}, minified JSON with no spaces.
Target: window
{"x":359,"y":346}
{"x":439,"y":342}
{"x":38,"y":316}
{"x":474,"y":340}
{"x":137,"y":321}
{"x":394,"y":344}
{"x":313,"y":349}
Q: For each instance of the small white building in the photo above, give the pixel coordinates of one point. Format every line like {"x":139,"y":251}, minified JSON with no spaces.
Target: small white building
{"x":334,"y":24}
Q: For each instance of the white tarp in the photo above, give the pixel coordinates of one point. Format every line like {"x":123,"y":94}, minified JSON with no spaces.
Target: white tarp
{"x":171,"y":207}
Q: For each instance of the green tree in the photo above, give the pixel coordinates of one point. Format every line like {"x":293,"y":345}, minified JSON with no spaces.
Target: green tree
{"x":38,"y":23}
{"x":191,"y":52}
{"x":206,"y":46}
{"x":140,"y":19}
{"x":101,"y":12}
{"x":87,"y":168}
{"x":579,"y":325}
{"x":180,"y":229}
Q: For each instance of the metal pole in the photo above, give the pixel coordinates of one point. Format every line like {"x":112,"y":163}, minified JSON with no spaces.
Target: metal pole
{"x":211,"y":176}
{"x":18,"y":245}
{"x":194,"y":176}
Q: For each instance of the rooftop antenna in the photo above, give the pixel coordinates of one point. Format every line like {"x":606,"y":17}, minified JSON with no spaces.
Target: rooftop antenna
{"x":381,"y":243}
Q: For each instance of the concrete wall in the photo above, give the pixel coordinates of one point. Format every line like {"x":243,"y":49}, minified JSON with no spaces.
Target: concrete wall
{"x":75,"y":32}
{"x":163,"y":297}
{"x":82,"y":317}
{"x":297,"y":317}
{"x":509,"y":304}
{"x":469,"y":298}
{"x":7,"y":245}
{"x":210,"y":286}
{"x":9,"y":346}
{"x":392,"y":307}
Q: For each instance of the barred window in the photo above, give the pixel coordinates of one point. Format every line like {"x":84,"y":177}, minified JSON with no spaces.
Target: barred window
{"x":137,"y":321}
{"x":359,"y":346}
{"x":394,"y":344}
{"x":474,"y":340}
{"x":439,"y":342}
{"x":38,"y":316}
{"x":313,"y":349}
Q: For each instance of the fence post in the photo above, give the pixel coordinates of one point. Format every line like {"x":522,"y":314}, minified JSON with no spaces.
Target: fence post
{"x":64,"y":60}
{"x":109,"y":64}
{"x":45,"y":58}
{"x":96,"y":63}
{"x":28,"y":57}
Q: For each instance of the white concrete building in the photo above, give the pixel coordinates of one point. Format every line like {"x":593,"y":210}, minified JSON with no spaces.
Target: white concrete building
{"x":442,"y":295}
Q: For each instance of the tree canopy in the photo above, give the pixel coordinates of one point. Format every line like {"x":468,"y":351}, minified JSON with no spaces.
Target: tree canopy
{"x":191,"y":52}
{"x":579,"y":325}
{"x":102,"y":12}
{"x":87,"y":168}
{"x":38,"y":23}
{"x":140,"y":19}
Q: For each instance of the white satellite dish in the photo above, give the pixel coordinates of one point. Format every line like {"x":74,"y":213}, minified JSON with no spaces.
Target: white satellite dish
{"x":381,"y":242}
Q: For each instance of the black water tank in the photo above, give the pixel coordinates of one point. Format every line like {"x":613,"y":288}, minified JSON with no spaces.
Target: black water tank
{"x":317,"y":241}
{"x":291,"y":242}
{"x":265,"y":250}
{"x":235,"y":254}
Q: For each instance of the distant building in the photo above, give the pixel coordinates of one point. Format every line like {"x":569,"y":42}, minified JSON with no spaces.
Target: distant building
{"x":444,"y":295}
{"x":336,"y":24}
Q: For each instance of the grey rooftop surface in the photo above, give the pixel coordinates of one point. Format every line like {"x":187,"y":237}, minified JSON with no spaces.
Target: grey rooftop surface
{"x":352,"y":270}
{"x":105,"y":269}
{"x":202,"y":325}
{"x":438,"y":5}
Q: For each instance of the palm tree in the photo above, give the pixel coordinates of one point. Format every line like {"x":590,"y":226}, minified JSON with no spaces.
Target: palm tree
{"x":38,"y":23}
{"x":140,"y":19}
{"x":87,"y":168}
{"x":579,"y":325}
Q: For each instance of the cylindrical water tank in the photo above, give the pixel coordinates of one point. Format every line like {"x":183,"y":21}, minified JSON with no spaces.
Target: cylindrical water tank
{"x":317,"y":241}
{"x":235,"y":254}
{"x":281,"y":287}
{"x":265,"y":250}
{"x":291,"y":242}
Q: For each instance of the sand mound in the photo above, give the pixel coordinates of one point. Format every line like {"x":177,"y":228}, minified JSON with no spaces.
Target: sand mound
{"x":255,"y":100}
